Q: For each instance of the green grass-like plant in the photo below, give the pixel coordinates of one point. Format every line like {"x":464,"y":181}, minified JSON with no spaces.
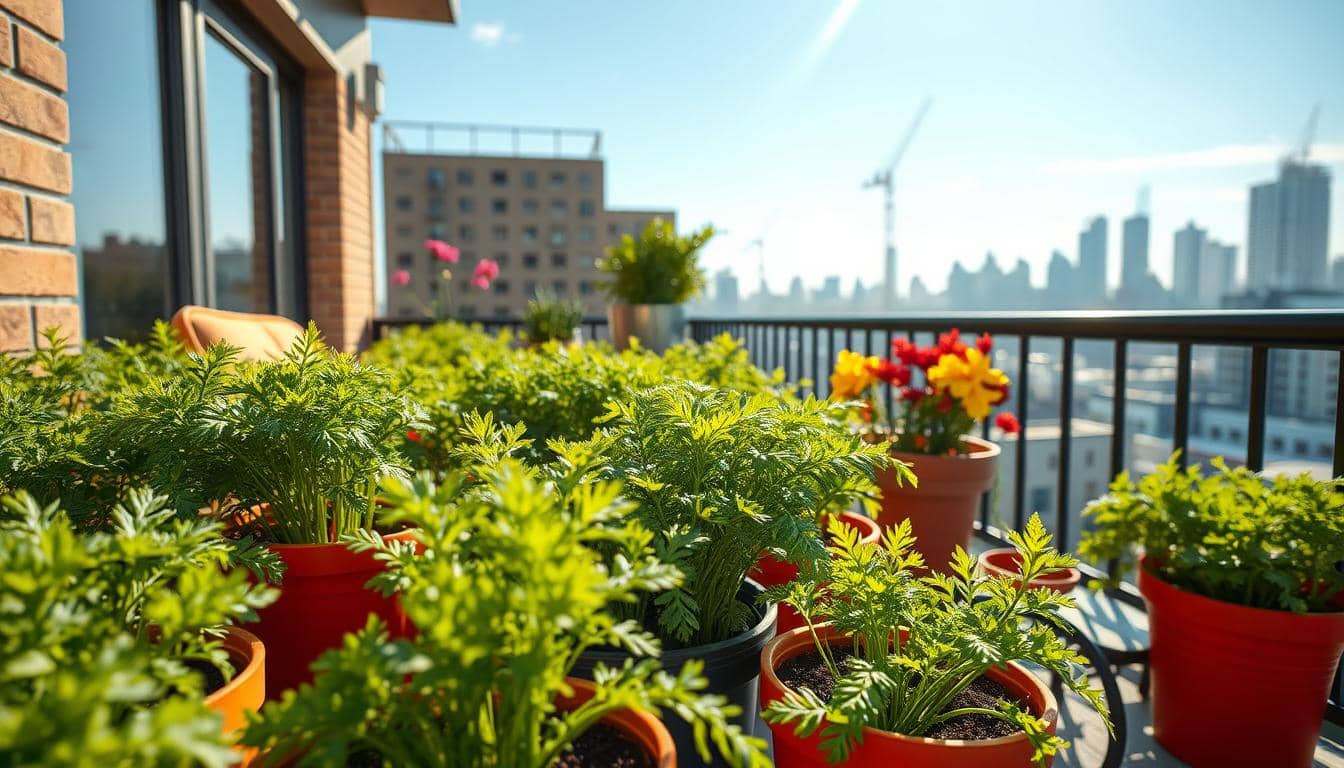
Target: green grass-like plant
{"x":551,"y":318}
{"x":1230,"y":535}
{"x":720,"y":477}
{"x":661,"y":267}
{"x":507,"y":593}
{"x":953,"y":629}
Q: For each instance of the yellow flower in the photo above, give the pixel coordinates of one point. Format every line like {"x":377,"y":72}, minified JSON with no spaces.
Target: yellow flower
{"x":852,"y":376}
{"x":970,"y":380}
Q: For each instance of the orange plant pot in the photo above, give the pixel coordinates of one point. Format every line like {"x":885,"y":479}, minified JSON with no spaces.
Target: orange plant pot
{"x":247,"y":690}
{"x":322,"y":597}
{"x":943,"y":508}
{"x":1233,"y":685}
{"x":1007,"y":562}
{"x":770,"y":572}
{"x":641,"y":727}
{"x":884,"y":748}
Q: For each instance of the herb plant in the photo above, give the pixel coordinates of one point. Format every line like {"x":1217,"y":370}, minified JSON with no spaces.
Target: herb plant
{"x":507,"y":593}
{"x":661,"y":267}
{"x":952,"y":629}
{"x":720,"y":477}
{"x":551,"y":318}
{"x":1232,"y":535}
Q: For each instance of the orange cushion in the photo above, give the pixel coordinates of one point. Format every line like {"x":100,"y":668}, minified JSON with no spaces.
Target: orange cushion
{"x":261,"y":337}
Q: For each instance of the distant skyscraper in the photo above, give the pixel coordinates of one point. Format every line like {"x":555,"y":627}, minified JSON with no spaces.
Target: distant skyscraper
{"x":726,"y":294}
{"x":1134,"y":254}
{"x":1217,"y":274}
{"x":1187,"y":250}
{"x":1091,"y":280}
{"x":1337,"y":273}
{"x":1289,"y":229}
{"x":1061,"y":282}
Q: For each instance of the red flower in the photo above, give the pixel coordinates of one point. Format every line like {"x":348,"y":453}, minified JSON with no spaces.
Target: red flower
{"x":984,"y":343}
{"x":950,"y":343}
{"x":921,"y":441}
{"x":891,"y":372}
{"x":1008,"y":423}
{"x":413,"y":436}
{"x":912,"y":394}
{"x":945,"y":403}
{"x":1003,"y":394}
{"x":928,"y":357}
{"x":905,"y":351}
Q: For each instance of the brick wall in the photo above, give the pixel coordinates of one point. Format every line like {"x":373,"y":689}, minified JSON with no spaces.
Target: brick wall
{"x":340,"y":213}
{"x":38,"y":279}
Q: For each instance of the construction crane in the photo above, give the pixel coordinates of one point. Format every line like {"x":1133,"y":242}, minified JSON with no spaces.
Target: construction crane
{"x":884,"y":177}
{"x":759,"y":244}
{"x":1308,"y":132}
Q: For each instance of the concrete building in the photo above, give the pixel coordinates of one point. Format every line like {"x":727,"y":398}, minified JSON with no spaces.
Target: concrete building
{"x":1092,"y":261}
{"x":1089,"y":472}
{"x":1187,"y":250}
{"x":1218,"y":274}
{"x":1134,"y":254}
{"x":1289,"y":229}
{"x":544,"y":220}
{"x":1300,"y":383}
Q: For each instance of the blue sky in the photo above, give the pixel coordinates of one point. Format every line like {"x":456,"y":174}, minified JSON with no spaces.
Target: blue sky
{"x":751,"y":112}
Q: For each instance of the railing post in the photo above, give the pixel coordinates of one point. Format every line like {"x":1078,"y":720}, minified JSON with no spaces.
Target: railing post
{"x":1063,"y":513}
{"x":1181,"y":427}
{"x":1255,"y":427}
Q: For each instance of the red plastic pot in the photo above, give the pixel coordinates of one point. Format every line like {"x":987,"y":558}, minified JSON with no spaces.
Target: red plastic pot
{"x":1233,"y":685}
{"x":770,"y":572}
{"x":639,"y":726}
{"x":322,"y":597}
{"x":884,"y":748}
{"x":1007,"y":562}
{"x":942,"y":509}
{"x":246,"y":691}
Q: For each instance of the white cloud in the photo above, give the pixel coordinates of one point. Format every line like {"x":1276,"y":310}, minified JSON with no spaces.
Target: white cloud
{"x":491,"y":35}
{"x":1227,"y":156}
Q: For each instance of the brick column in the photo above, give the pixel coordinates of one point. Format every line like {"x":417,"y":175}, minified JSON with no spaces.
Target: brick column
{"x":39,"y":284}
{"x":339,"y":213}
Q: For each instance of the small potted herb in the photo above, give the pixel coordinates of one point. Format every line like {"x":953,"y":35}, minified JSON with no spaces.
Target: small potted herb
{"x":1241,"y":574}
{"x":131,"y":627}
{"x":509,"y":591}
{"x":930,"y":429}
{"x":650,"y":278}
{"x":719,"y":478}
{"x":897,"y":669}
{"x":551,"y":318}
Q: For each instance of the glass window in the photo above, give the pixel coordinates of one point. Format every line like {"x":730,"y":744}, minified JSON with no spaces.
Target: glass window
{"x":530,"y":289}
{"x":500,"y":286}
{"x":464,"y":177}
{"x":530,"y":260}
{"x":437,"y":179}
{"x":585,"y":180}
{"x":466,"y":233}
{"x":501,"y":258}
{"x":558,"y":236}
{"x":587,"y":209}
{"x":405,"y":203}
{"x":405,"y":230}
{"x":558,"y":180}
{"x":466,"y":204}
{"x":499,"y":205}
{"x":404,"y":172}
{"x":559,"y":260}
{"x":405,"y":259}
{"x":438,"y":207}
{"x":530,"y":234}
{"x":559,"y":209}
{"x":530,"y":179}
{"x":499,"y":178}
{"x":585,"y":288}
{"x":530,"y":206}
{"x":438,"y":231}
{"x":585,"y":234}
{"x":119,"y":146}
{"x":500,"y":233}
{"x":560,"y":287}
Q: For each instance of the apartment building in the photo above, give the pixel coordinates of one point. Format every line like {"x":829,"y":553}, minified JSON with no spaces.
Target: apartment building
{"x":543,"y":219}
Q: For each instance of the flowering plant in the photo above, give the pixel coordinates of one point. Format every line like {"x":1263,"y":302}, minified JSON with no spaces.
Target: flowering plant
{"x":960,"y":389}
{"x":440,"y":305}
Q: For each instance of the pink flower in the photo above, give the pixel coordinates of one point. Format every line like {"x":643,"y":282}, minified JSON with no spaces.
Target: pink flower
{"x":401,"y":277}
{"x":480,"y":282}
{"x":486,"y":268}
{"x":442,"y":251}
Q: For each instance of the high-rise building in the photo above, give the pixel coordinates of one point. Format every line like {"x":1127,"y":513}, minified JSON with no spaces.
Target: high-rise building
{"x":1337,"y":273}
{"x":1217,"y":274}
{"x":1134,"y":254}
{"x":1289,"y":229}
{"x":544,"y":220}
{"x":1187,"y":250}
{"x":726,"y":293}
{"x":1091,"y":281}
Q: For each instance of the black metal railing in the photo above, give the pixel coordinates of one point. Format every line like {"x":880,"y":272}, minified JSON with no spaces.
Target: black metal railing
{"x":594,"y":328}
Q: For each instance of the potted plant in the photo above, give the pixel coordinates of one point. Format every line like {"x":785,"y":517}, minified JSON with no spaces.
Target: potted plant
{"x":551,"y":318}
{"x":1007,"y":562}
{"x":291,"y":452}
{"x":893,"y":668}
{"x":138,"y":618}
{"x":510,"y":590}
{"x":1245,"y":604}
{"x":930,"y":430}
{"x":650,"y":280}
{"x":718,"y":478}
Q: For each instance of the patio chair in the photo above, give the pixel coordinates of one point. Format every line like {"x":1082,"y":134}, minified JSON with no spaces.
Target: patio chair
{"x":261,"y":337}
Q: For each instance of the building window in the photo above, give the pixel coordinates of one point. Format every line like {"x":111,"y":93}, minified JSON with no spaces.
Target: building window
{"x":587,"y":209}
{"x":1040,"y":500}
{"x":530,"y":234}
{"x":559,"y":209}
{"x":558,"y":236}
{"x":530,"y":179}
{"x":466,"y":233}
{"x":1234,"y":435}
{"x":530,"y":206}
{"x":405,"y":203}
{"x":1300,"y":447}
{"x":499,"y":178}
{"x":466,"y":205}
{"x":585,"y":180}
{"x":438,"y":208}
{"x":560,"y":287}
{"x":500,"y":233}
{"x":501,"y":258}
{"x":530,"y":260}
{"x":502,"y":311}
{"x":585,"y":234}
{"x":1277,"y":444}
{"x":558,"y":180}
{"x":437,"y":179}
{"x":438,"y":231}
{"x":499,"y":205}
{"x":585,"y":288}
{"x":500,"y":286}
{"x":559,"y":260}
{"x":613,"y":231}
{"x":464,"y":177}
{"x":405,"y":259}
{"x":405,"y":230}
{"x":404,"y":172}
{"x":1089,"y":457}
{"x":1216,"y":433}
{"x":530,"y":289}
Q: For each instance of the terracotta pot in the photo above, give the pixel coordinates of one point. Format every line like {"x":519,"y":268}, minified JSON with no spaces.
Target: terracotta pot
{"x":641,"y":727}
{"x":770,"y":572}
{"x":1233,"y":685}
{"x":247,"y":690}
{"x":943,"y":508}
{"x":883,"y":748}
{"x":322,"y":597}
{"x":1007,"y":562}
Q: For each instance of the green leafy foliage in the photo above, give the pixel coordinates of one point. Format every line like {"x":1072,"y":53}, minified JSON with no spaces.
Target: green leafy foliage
{"x":661,"y":267}
{"x":507,"y":593}
{"x":720,"y":477}
{"x":96,"y":630}
{"x":1231,"y":535}
{"x":551,"y":318}
{"x":952,"y":629}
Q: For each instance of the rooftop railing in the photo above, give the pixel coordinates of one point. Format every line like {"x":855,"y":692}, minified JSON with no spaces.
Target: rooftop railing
{"x":431,"y":138}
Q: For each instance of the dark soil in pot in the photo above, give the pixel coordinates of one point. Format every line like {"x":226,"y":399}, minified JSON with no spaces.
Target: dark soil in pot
{"x":212,"y":679}
{"x":808,"y":670}
{"x":601,"y":746}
